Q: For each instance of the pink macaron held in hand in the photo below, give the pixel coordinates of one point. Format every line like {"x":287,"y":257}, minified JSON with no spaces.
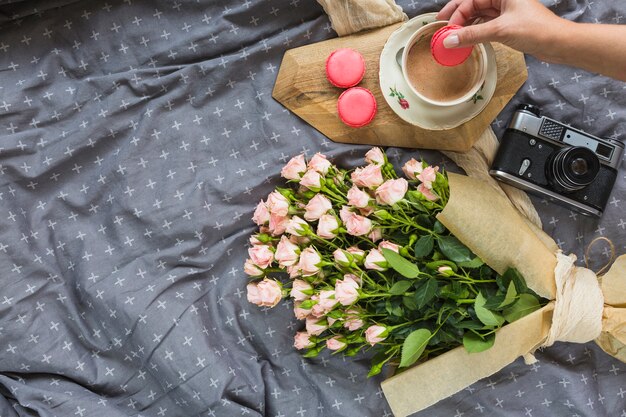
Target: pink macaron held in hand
{"x":448,"y":56}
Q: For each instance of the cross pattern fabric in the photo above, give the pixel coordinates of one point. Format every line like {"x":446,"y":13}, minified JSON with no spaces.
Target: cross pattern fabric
{"x":136,"y":139}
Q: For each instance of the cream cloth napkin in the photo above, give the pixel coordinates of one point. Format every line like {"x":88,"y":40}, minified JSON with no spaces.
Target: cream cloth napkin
{"x":351,"y":16}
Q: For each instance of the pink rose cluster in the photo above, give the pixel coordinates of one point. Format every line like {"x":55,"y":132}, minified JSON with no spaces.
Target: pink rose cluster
{"x":327,"y":235}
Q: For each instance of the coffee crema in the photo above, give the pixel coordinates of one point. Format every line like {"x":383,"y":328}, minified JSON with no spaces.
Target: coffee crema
{"x":436,"y":81}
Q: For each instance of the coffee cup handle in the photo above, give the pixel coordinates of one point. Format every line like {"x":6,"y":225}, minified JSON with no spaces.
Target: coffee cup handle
{"x":399,"y":57}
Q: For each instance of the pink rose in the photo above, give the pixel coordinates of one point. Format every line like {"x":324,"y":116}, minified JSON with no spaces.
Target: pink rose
{"x":261,"y":214}
{"x":251,"y":269}
{"x":311,"y":180}
{"x":345,"y":213}
{"x":301,"y":290}
{"x":368,"y":177}
{"x":376,"y":235}
{"x":391,"y":191}
{"x":315,"y":326}
{"x":316,"y":207}
{"x":293,"y":271}
{"x":301,"y":341}
{"x":412,"y":168}
{"x":353,"y":278}
{"x":266,"y":293}
{"x":346,"y":291}
{"x":255,"y":240}
{"x":299,"y":312}
{"x":286,"y":252}
{"x":341,"y":257}
{"x":388,"y":245}
{"x":261,"y":255}
{"x":309,"y":261}
{"x":297,"y":226}
{"x":327,"y":300}
{"x":357,"y":253}
{"x":376,"y":261}
{"x":366,"y":211}
{"x":278,"y":204}
{"x":327,"y":226}
{"x":335,"y":343}
{"x":375,"y":334}
{"x":353,"y":321}
{"x":427,"y":192}
{"x":278,"y":224}
{"x":357,"y":197}
{"x":319,"y":163}
{"x":428,"y":176}
{"x":294,"y":168}
{"x":375,"y":156}
{"x":358,"y":225}
{"x":446,"y":271}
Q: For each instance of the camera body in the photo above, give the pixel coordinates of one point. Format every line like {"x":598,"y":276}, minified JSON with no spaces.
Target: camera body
{"x":555,"y":161}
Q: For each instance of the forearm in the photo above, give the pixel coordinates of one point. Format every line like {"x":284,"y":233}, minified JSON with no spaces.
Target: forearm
{"x":594,"y":47}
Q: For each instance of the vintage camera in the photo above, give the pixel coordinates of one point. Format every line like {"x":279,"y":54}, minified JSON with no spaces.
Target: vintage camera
{"x":557,"y":162}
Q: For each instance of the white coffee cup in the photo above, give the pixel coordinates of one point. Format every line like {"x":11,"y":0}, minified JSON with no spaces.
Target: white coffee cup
{"x":427,"y":32}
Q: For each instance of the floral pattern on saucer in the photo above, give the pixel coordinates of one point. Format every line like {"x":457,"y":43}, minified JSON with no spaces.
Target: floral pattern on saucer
{"x":411,"y":108}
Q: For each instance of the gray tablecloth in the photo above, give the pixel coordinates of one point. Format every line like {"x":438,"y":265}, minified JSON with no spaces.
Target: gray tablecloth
{"x":137,"y":137}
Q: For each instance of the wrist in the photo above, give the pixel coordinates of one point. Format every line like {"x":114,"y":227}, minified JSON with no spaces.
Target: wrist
{"x":557,"y":42}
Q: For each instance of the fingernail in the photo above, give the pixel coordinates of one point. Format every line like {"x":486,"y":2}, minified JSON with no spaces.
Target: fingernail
{"x":451,"y":41}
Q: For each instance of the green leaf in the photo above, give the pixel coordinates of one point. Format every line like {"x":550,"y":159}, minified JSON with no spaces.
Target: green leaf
{"x":409,"y":302}
{"x":511,"y":293}
{"x":470,"y":325}
{"x":424,"y":220}
{"x":400,"y":287}
{"x":307,"y":304}
{"x":424,"y":246}
{"x":473,"y":264}
{"x":352,"y":350}
{"x":314,"y":351}
{"x":474,"y":343}
{"x":493,"y":302}
{"x":454,"y":249}
{"x":454,"y":291}
{"x":414,"y":346}
{"x":525,"y":305}
{"x":401,"y":265}
{"x":488,"y":317}
{"x":426,"y":292}
{"x":513,"y":274}
{"x":439,"y":227}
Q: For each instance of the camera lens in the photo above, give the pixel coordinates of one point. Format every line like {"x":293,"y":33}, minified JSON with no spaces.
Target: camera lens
{"x":572,"y":168}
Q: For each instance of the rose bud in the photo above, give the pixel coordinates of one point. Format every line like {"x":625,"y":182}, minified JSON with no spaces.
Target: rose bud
{"x":445,"y":271}
{"x":358,"y":225}
{"x":309,"y":262}
{"x":368,"y":177}
{"x":294,"y":168}
{"x":428,"y":176}
{"x":250,"y":268}
{"x":327,"y":300}
{"x":391,"y":191}
{"x":327,"y":226}
{"x":376,"y":334}
{"x":286,"y":252}
{"x":277,"y":204}
{"x":376,"y":235}
{"x":297,"y":227}
{"x":315,"y":326}
{"x":388,"y":245}
{"x":427,"y":192}
{"x":375,"y":156}
{"x":335,"y":343}
{"x":301,"y":290}
{"x":261,"y":255}
{"x":261,"y":214}
{"x":412,"y":168}
{"x":358,"y":254}
{"x":319,"y":163}
{"x":345,"y":213}
{"x":346,"y":291}
{"x":353,"y":321}
{"x":357,"y":197}
{"x":301,"y":341}
{"x":312,"y":180}
{"x":266,"y":293}
{"x":278,"y":224}
{"x":342,"y":258}
{"x":376,"y":261}
{"x":316,"y":207}
{"x":300,"y":312}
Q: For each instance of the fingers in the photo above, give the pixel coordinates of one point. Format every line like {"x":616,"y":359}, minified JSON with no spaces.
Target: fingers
{"x":471,"y":35}
{"x":458,"y":12}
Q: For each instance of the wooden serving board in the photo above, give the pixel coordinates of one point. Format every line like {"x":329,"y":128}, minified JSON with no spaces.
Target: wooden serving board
{"x":302,"y":87}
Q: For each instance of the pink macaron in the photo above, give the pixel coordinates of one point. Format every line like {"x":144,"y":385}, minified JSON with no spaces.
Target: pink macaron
{"x":356,"y":106}
{"x":345,"y":67}
{"x":448,"y":56}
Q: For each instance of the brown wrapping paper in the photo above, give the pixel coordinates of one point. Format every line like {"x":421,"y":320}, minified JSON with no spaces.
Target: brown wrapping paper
{"x":486,"y":222}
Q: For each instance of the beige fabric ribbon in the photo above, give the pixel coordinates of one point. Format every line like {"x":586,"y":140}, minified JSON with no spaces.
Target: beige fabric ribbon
{"x":351,"y":16}
{"x":578,"y":306}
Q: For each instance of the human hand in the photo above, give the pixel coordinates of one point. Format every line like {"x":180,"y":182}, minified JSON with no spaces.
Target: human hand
{"x":525,"y":25}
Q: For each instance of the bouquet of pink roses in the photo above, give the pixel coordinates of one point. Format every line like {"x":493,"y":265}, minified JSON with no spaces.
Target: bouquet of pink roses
{"x":368,"y":264}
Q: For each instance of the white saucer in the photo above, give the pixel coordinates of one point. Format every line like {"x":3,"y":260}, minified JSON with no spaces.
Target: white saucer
{"x":420,"y":113}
